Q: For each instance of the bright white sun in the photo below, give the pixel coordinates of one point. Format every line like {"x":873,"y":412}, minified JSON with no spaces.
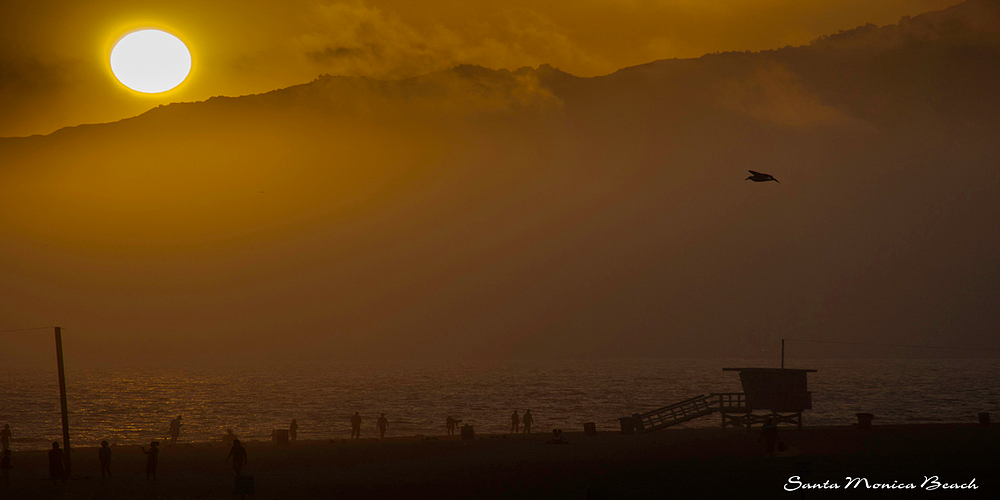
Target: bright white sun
{"x":150,"y":61}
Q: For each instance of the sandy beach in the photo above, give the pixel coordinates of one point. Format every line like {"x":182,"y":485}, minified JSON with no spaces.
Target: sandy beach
{"x":710,"y":463}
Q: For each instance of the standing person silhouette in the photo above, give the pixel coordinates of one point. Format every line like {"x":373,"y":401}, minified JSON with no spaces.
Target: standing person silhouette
{"x":293,"y":429}
{"x":104,"y":456}
{"x":514,"y":422}
{"x":527,"y":420}
{"x":451,"y":424}
{"x":356,"y":426}
{"x":769,"y":435}
{"x":175,"y":429}
{"x":382,"y":425}
{"x":5,"y":436}
{"x":239,"y":456}
{"x":56,"y":466}
{"x":152,"y":457}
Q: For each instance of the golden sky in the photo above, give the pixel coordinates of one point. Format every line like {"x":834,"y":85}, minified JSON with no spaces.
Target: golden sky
{"x":53,"y":53}
{"x":495,"y":213}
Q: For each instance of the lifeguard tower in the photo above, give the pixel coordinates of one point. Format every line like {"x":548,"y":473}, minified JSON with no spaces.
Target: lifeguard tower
{"x":778,"y":393}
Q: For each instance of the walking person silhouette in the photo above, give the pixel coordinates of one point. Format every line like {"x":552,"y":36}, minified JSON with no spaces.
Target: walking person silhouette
{"x":239,"y":455}
{"x":175,"y":429}
{"x":356,"y":426}
{"x":769,"y":435}
{"x":514,"y":423}
{"x":293,"y":429}
{"x":527,"y":420}
{"x":382,"y":425}
{"x":5,"y":436}
{"x":451,"y":424}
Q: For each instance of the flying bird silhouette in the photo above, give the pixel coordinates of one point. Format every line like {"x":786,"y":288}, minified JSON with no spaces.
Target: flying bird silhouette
{"x":759,"y":177}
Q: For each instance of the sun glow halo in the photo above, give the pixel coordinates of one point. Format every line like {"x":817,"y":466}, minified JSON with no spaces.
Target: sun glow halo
{"x":150,"y":61}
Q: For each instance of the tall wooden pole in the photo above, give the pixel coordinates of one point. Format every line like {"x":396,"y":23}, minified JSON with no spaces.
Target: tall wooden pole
{"x":782,"y":354}
{"x":62,"y":399}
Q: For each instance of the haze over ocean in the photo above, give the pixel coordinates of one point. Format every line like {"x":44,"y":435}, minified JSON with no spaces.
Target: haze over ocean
{"x":133,"y":406}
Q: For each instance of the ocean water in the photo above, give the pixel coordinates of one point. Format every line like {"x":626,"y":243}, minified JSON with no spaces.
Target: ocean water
{"x":136,"y":405}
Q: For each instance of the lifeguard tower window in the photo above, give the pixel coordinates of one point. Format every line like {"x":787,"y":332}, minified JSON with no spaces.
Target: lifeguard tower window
{"x":775,"y":389}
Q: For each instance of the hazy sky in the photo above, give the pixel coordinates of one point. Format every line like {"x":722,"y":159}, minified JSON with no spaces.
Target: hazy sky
{"x":53,"y":53}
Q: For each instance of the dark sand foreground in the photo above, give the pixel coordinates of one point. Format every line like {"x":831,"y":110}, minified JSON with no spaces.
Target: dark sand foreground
{"x":675,"y":463}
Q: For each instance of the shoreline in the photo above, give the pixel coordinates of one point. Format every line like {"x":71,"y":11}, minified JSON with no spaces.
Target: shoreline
{"x":693,"y":461}
{"x":256,"y":441}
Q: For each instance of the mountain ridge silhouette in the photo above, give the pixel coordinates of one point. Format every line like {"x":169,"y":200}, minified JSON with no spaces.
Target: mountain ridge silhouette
{"x":973,"y":23}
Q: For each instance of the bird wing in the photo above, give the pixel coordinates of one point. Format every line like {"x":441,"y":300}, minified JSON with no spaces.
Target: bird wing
{"x":755,"y":173}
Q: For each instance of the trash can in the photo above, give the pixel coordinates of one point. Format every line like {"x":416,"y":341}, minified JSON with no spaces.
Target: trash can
{"x":628,"y":425}
{"x":590,"y":429}
{"x":467,"y":434}
{"x":281,"y":437}
{"x":865,"y":420}
{"x":984,"y":419}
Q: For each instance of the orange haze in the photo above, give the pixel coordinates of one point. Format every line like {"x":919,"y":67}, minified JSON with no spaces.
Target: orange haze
{"x":471,"y":212}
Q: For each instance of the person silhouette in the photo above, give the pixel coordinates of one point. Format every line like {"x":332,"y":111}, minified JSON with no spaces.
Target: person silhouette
{"x":527,"y":420}
{"x":175,"y":429}
{"x":5,"y":436}
{"x":293,"y":429}
{"x":56,"y":466}
{"x":514,"y":422}
{"x":152,"y":458}
{"x":382,"y":425}
{"x":769,"y":435}
{"x":239,"y":455}
{"x":229,"y":437}
{"x":356,"y":426}
{"x":104,"y":457}
{"x":452,"y":424}
{"x":5,"y":466}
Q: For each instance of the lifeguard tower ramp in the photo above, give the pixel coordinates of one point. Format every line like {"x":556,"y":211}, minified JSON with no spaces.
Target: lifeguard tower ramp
{"x":781,"y":393}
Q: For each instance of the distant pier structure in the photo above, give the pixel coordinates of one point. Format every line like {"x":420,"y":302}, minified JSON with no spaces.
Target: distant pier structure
{"x":778,"y":393}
